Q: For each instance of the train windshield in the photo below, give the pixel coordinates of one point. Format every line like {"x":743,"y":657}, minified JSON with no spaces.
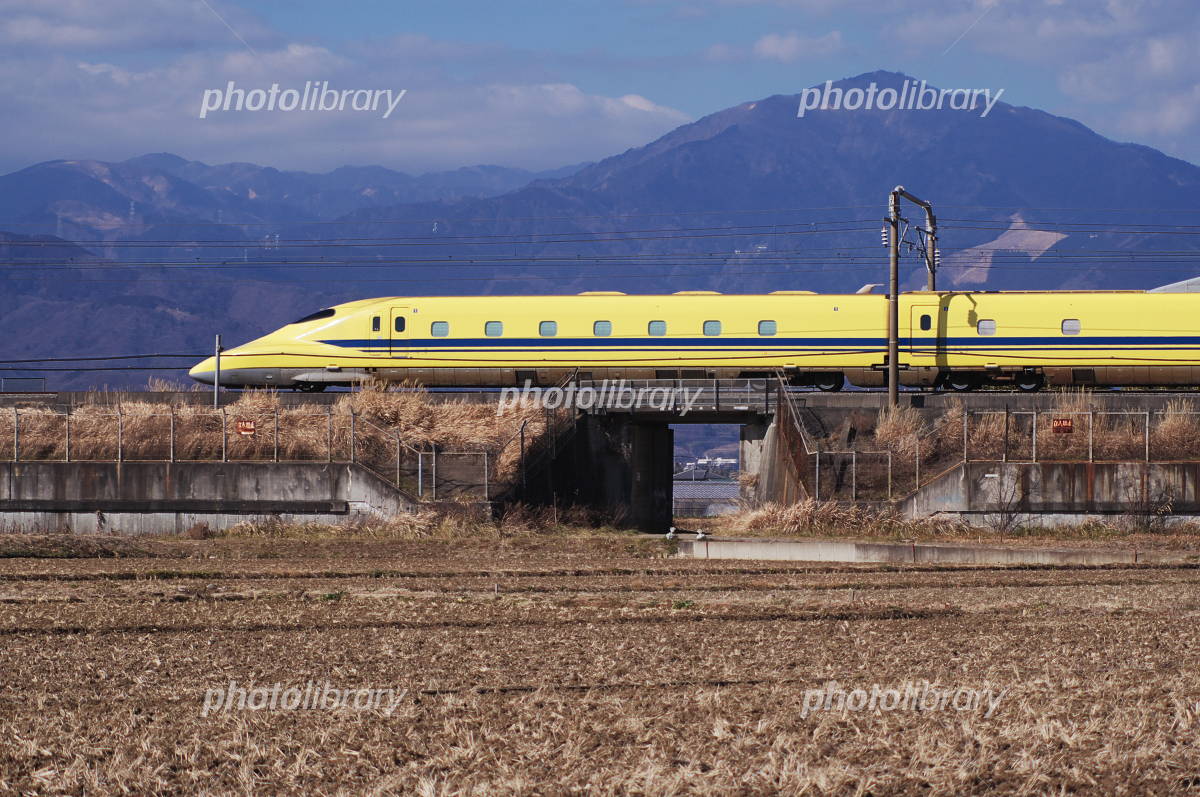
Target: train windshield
{"x":317,"y":316}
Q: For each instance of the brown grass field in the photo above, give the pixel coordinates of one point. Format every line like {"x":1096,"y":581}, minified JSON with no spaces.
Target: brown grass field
{"x":553,"y":662}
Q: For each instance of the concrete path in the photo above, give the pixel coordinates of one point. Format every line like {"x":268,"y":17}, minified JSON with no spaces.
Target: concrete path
{"x":920,"y":553}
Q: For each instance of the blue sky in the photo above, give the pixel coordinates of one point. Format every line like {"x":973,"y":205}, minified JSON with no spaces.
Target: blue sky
{"x":542,"y":84}
{"x":615,"y":46}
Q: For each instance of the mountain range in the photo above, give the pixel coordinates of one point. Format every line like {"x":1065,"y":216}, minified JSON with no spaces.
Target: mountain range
{"x":750,"y":198}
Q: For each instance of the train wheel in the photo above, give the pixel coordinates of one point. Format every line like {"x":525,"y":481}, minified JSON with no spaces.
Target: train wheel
{"x":310,"y":387}
{"x":961,"y":383}
{"x":1031,"y":383}
{"x":829,"y":383}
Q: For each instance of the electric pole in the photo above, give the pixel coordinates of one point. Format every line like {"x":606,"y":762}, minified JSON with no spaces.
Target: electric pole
{"x":217,"y":349}
{"x":893,"y":320}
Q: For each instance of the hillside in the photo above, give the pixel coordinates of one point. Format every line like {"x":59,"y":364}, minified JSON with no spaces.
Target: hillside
{"x":751,"y":198}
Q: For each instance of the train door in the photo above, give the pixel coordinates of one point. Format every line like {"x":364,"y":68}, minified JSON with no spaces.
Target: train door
{"x":923,"y":333}
{"x":377,"y":336}
{"x":399,"y":331}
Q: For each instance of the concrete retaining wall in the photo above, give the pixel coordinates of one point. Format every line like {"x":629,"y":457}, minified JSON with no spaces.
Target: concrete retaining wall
{"x":1050,"y":493}
{"x":843,"y":551}
{"x":170,"y":497}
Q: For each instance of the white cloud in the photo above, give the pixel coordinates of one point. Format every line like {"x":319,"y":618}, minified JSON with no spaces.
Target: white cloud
{"x":785,"y":48}
{"x":793,"y":46}
{"x":124,"y":77}
{"x":97,"y":109}
{"x":1125,"y":67}
{"x":123,"y":25}
{"x":721,"y":53}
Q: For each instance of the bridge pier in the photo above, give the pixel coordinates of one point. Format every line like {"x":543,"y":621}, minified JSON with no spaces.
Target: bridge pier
{"x":754,"y":452}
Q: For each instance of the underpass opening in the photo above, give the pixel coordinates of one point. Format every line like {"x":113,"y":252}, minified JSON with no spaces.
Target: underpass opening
{"x":707,"y":476}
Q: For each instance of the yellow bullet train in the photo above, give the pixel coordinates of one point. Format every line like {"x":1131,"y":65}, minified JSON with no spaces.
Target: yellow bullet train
{"x":952,"y":339}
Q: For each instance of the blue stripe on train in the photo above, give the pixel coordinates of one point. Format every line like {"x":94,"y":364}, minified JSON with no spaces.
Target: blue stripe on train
{"x":1114,"y":341}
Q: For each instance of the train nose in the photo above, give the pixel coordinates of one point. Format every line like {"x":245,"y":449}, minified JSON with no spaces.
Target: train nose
{"x":204,"y":371}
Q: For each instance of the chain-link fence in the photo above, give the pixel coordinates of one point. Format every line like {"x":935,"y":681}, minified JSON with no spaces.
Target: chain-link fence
{"x":197,"y":434}
{"x":1081,"y":436}
{"x":893,"y":465}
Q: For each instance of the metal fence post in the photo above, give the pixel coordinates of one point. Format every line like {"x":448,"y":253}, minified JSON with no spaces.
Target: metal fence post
{"x":352,"y":436}
{"x":853,"y":475}
{"x":917,"y":465}
{"x":889,"y":475}
{"x":1147,"y":435}
{"x":1004,"y":456}
{"x":172,"y":443}
{"x":965,"y":413}
{"x":486,"y":495}
{"x":276,"y":434}
{"x":433,"y":465}
{"x":397,"y":460}
{"x":817,"y":497}
{"x":329,"y":432}
{"x":1035,"y":426}
{"x":16,"y":435}
{"x":420,"y":473}
{"x":67,"y":418}
{"x":1091,"y":435}
{"x":120,"y":436}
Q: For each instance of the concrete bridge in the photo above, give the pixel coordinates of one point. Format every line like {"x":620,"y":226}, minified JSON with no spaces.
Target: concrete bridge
{"x":611,"y":450}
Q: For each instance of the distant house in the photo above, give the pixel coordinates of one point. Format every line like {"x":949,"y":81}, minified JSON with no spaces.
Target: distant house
{"x":704,"y":498}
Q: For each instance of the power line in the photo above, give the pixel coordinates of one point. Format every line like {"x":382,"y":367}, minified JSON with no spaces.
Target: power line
{"x":432,"y":219}
{"x":516,"y":239}
{"x":96,"y":368}
{"x":830,"y":255}
{"x":443,"y":238}
{"x":94,"y":359}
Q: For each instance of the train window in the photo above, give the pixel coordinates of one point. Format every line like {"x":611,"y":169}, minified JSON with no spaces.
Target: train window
{"x":926,"y":323}
{"x":1071,"y":326}
{"x":657,"y":328}
{"x":986,"y":326}
{"x":493,"y":329}
{"x":399,"y":325}
{"x":439,"y":329}
{"x":602,"y":329}
{"x":375,"y":324}
{"x":548,"y":329}
{"x":317,"y":316}
{"x":712,"y":328}
{"x":766,"y":328}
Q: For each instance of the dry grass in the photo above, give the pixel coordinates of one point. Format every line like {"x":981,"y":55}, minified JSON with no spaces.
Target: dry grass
{"x":579,"y":667}
{"x":144,"y":430}
{"x":446,"y":522}
{"x":897,"y":429}
{"x":810,"y":518}
{"x":840,"y":520}
{"x":70,"y":546}
{"x":1174,"y":433}
{"x":922,"y":450}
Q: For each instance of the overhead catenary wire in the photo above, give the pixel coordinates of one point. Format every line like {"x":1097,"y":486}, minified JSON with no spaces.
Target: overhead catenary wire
{"x":98,"y":358}
{"x":585,"y":236}
{"x":616,"y":215}
{"x":522,"y":238}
